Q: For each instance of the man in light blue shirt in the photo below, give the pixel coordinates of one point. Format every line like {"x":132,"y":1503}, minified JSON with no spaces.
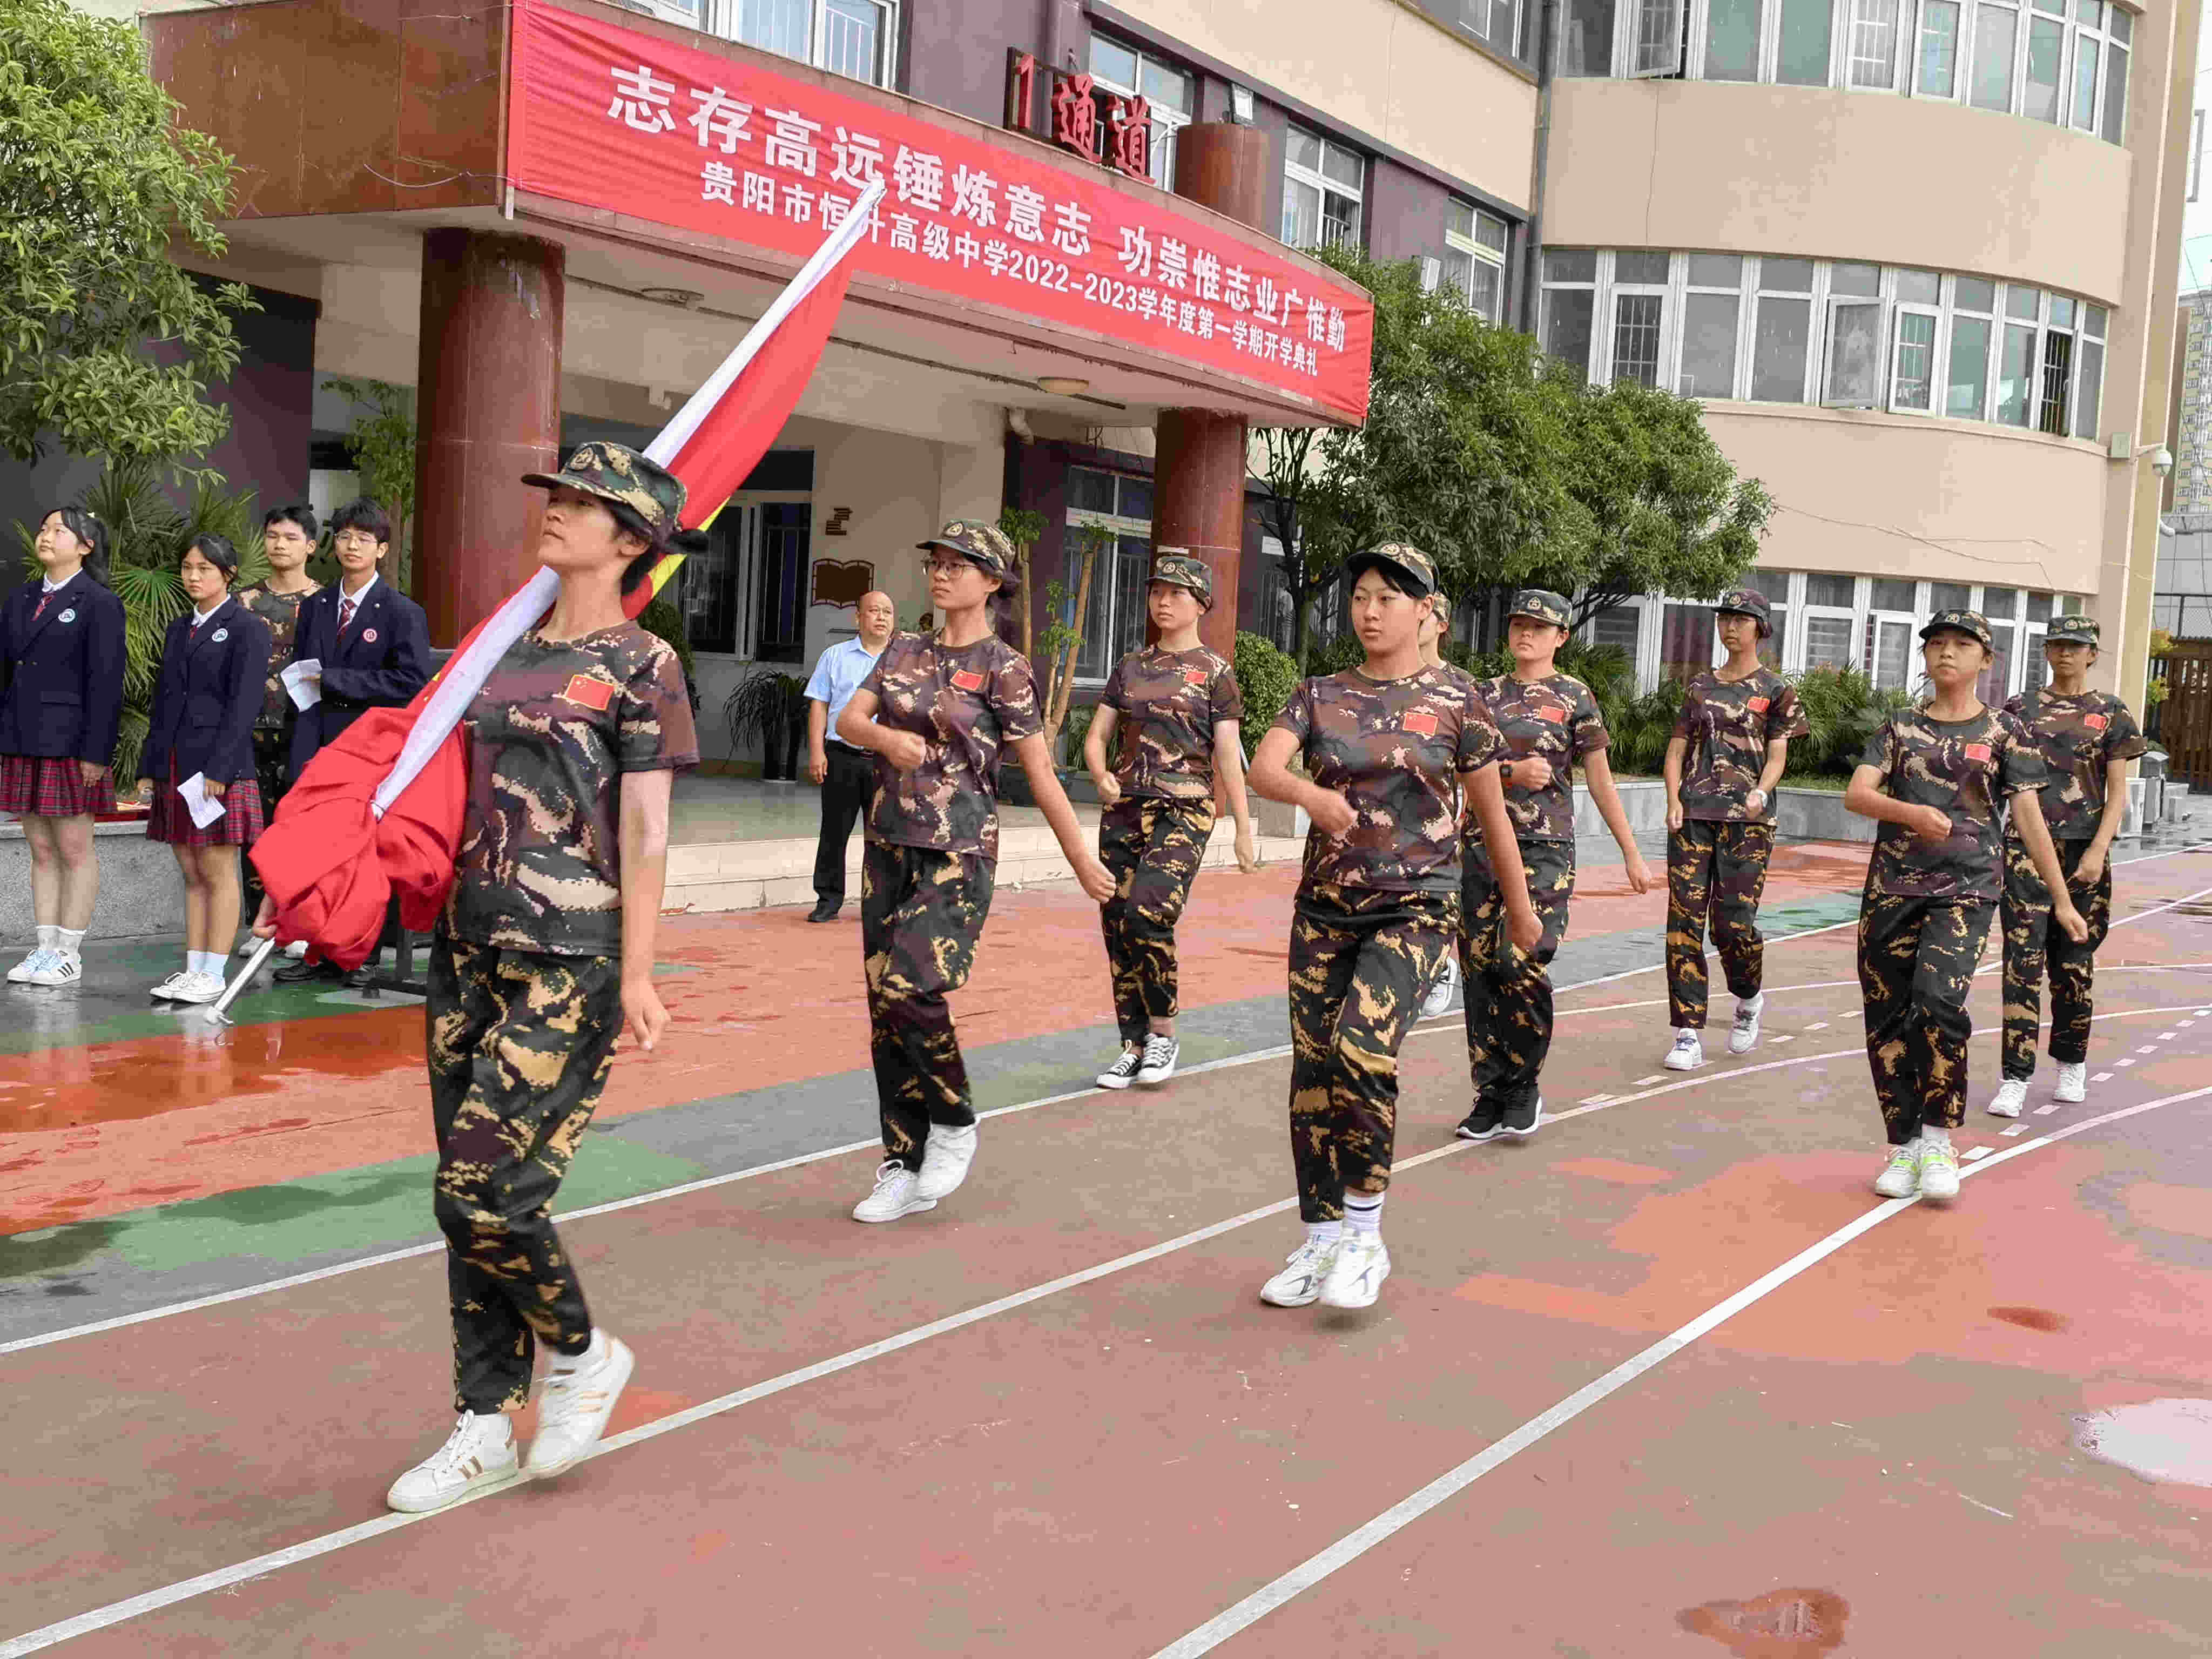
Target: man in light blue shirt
{"x":846,"y":773}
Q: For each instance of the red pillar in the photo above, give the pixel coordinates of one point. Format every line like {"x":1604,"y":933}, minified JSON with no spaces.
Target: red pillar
{"x":1198,"y":500}
{"x":488,"y":410}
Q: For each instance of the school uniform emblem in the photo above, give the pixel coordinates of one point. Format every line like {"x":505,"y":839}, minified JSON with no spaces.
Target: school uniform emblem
{"x":70,"y":615}
{"x":590,"y":693}
{"x":1420,"y":723}
{"x":368,"y":636}
{"x":220,"y":636}
{"x":967,"y":679}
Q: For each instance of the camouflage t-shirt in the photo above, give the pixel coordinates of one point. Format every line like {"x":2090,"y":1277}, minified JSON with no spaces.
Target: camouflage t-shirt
{"x":1556,"y":719}
{"x":1168,"y":702}
{"x":1728,"y":725}
{"x":549,"y":737}
{"x":1959,"y":768}
{"x":1395,"y":749}
{"x":282,"y":613}
{"x":2077,"y":737}
{"x":967,"y":702}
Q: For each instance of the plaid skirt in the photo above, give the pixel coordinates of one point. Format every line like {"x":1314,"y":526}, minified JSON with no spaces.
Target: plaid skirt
{"x":240,"y":824}
{"x":40,"y":786}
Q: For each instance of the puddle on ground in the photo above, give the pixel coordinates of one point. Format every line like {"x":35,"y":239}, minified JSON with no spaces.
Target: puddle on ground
{"x":2032,"y":1319}
{"x":1783,"y":1624}
{"x":2160,"y":1439}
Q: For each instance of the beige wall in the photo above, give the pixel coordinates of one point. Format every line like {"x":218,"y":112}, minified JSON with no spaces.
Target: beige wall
{"x":1881,"y":495}
{"x":1377,"y":66}
{"x":1839,"y":175}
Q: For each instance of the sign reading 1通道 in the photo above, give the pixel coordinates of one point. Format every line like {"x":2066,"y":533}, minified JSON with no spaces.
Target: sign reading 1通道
{"x":613,"y":119}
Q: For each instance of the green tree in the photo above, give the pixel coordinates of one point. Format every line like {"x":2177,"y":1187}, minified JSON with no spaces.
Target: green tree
{"x":96,"y":178}
{"x":382,"y":445}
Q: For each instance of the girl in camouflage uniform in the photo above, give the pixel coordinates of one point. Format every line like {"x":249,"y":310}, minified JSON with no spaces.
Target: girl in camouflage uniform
{"x":937,"y":710}
{"x":1720,"y":824}
{"x":2086,"y":739}
{"x":542,"y":959}
{"x":1932,"y":776}
{"x":1388,"y":748}
{"x":1179,"y":747}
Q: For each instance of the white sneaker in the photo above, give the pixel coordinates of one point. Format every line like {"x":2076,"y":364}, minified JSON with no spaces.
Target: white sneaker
{"x":1440,"y":994}
{"x":945,"y":1157}
{"x":1687,"y":1053}
{"x":1745,"y":1036}
{"x":1357,"y":1273}
{"x":21,"y":972}
{"x":56,"y":970}
{"x":1900,"y":1177}
{"x":1298,"y":1284}
{"x":1939,"y":1171}
{"x":195,"y":987}
{"x":296,"y":950}
{"x":1123,"y":1071}
{"x":574,"y":1406}
{"x":479,"y":1453}
{"x":2011,"y":1096}
{"x":1160,"y":1056}
{"x":2072,"y":1081}
{"x":894,"y":1195}
{"x":168,"y":988}
{"x":247,"y":946}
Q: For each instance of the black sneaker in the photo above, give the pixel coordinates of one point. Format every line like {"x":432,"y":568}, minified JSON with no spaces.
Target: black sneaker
{"x":1481,"y":1123}
{"x":825,"y":910}
{"x":1523,"y":1120}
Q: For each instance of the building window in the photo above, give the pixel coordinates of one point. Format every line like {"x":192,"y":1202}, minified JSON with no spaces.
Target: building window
{"x":1323,"y":185}
{"x":1891,"y":621}
{"x":1114,"y":621}
{"x":1774,"y":586}
{"x":1166,"y":89}
{"x":854,"y":38}
{"x":1474,"y":256}
{"x":1687,"y":641}
{"x":1861,"y":336}
{"x":1586,"y":42}
{"x":1831,"y":621}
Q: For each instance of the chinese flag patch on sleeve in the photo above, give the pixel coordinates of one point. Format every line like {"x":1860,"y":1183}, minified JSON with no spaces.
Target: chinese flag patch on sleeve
{"x":1420,"y":723}
{"x":1978,"y":751}
{"x":1194,"y":676}
{"x":967,"y":679}
{"x":2096,"y":722}
{"x":1757,"y":705}
{"x":590,"y":693}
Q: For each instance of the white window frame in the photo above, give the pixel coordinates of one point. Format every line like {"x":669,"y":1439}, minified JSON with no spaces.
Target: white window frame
{"x":1102,"y":584}
{"x":1651,"y":53}
{"x":1165,"y":123}
{"x":1938,"y":364}
{"x":1480,"y":252}
{"x":1852,"y":616}
{"x":1664,"y":290}
{"x":1318,"y":178}
{"x":722,"y":18}
{"x":1880,"y":616}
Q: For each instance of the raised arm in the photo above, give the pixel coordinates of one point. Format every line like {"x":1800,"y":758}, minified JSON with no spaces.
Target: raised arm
{"x":1272,"y":777}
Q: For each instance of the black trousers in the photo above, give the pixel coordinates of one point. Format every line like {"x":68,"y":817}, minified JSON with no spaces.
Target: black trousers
{"x":844,"y":798}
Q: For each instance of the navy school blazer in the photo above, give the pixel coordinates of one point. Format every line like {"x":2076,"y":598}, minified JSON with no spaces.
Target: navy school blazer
{"x":64,"y":672}
{"x":382,"y":662}
{"x":213,"y":684}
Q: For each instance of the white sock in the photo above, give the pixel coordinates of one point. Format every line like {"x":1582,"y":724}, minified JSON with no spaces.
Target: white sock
{"x":1323,"y":1232}
{"x":204,"y":962}
{"x":1940,"y":1138}
{"x":590,"y":1355}
{"x":1362,"y":1214}
{"x":69,"y":941}
{"x":47,"y":931}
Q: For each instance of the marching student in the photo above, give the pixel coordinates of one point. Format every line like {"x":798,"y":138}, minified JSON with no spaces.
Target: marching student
{"x":288,"y":541}
{"x":844,"y":773}
{"x":1388,"y":748}
{"x":1549,"y":721}
{"x":372,"y":645}
{"x":1932,"y":776}
{"x":214,"y":675}
{"x":542,"y":959}
{"x":2086,"y":739}
{"x":1176,"y":707}
{"x":61,"y":641}
{"x":937,"y":711}
{"x":1734,"y":732}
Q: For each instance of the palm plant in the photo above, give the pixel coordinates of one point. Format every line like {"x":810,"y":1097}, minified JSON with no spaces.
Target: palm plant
{"x":769,"y":708}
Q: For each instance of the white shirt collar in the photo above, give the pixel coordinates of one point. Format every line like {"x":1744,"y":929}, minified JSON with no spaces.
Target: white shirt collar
{"x":345,"y":597}
{"x":199,"y":617}
{"x":47,"y":584}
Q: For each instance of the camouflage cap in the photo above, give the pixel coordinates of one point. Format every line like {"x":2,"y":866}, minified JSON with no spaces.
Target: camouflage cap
{"x":1179,"y":566}
{"x":621,"y":476}
{"x":2075,"y":629}
{"x":1747,"y":602}
{"x":1402,"y":559}
{"x":1542,"y":604}
{"x":983,"y":545}
{"x":1963,"y":622}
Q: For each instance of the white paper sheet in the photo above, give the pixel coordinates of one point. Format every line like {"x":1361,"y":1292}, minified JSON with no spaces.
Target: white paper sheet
{"x":204,"y":807}
{"x":304,"y":681}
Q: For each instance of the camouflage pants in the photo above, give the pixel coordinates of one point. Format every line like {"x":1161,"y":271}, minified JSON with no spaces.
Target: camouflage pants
{"x":2030,"y":940}
{"x":922,"y":914}
{"x":1361,"y":958}
{"x":1717,"y":870}
{"x":1153,"y":846}
{"x":1507,"y":993}
{"x":1916,"y":959}
{"x":519,"y":1046}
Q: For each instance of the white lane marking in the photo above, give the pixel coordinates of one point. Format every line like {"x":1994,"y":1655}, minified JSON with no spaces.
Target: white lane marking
{"x":2147,"y":1048}
{"x":2165,"y":1036}
{"x":1785,"y":1037}
{"x":1398,"y":1516}
{"x":2185,"y":1022}
{"x":2045,"y":1111}
{"x":1974,"y":1152}
{"x":1991,"y":1508}
{"x":2102,"y":1077}
{"x":1595,"y":1100}
{"x":1817,"y":1025}
{"x":1655,"y":1077}
{"x":2017,"y":1128}
{"x":2123,"y":1062}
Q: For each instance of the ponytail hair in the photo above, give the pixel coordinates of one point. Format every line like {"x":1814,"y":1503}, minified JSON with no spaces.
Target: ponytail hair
{"x":85,"y":525}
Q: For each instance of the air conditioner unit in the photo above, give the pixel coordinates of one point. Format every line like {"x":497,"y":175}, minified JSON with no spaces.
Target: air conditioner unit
{"x":1432,"y":273}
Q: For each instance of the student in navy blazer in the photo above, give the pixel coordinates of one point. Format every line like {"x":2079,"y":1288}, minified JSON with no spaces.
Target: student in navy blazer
{"x":380,"y":658}
{"x":215,"y":668}
{"x":62,"y":651}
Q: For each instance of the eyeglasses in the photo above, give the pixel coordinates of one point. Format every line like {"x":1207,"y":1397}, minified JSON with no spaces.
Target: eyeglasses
{"x":947,"y":567}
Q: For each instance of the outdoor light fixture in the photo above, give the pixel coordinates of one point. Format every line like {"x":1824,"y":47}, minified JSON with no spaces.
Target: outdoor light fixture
{"x":689,"y":298}
{"x":1062,"y":386}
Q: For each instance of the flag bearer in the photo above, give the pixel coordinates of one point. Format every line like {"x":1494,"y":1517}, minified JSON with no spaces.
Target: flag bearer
{"x":2086,"y":739}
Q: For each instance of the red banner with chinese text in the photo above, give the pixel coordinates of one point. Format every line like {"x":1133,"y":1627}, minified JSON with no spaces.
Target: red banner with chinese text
{"x":609,"y":118}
